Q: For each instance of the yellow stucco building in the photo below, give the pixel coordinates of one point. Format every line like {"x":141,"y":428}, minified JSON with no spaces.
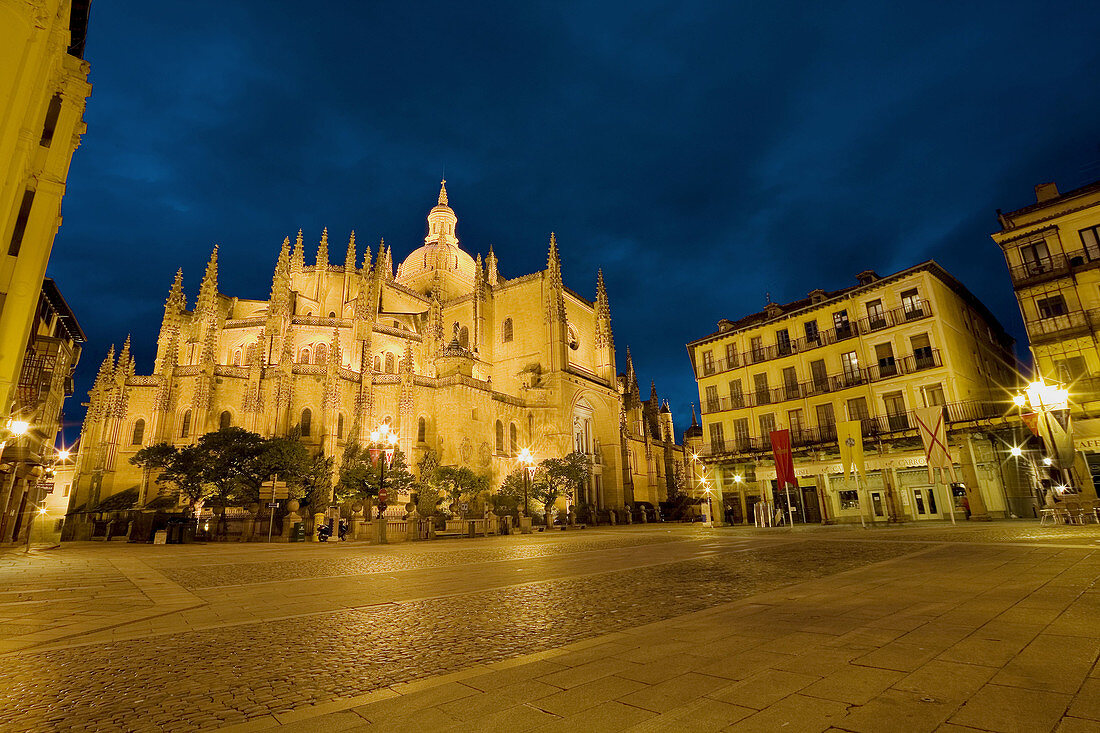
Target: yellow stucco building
{"x":871,"y":352}
{"x":43,"y":86}
{"x":1052,"y":248}
{"x":456,"y":357}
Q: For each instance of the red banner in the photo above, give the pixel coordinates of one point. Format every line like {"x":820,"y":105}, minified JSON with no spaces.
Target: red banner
{"x":1031,"y":419}
{"x":784,"y":461}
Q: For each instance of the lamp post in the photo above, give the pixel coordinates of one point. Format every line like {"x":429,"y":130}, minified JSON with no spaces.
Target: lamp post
{"x":528,"y":462}
{"x":61,"y":456}
{"x":1045,"y":399}
{"x":383,"y":443}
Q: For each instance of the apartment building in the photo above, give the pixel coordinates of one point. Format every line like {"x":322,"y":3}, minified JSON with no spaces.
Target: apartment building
{"x":871,"y":352}
{"x":1052,"y":248}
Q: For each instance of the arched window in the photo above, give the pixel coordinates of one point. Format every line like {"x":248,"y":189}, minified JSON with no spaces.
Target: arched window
{"x":464,"y":337}
{"x":307,"y":418}
{"x":377,"y":363}
{"x":506,"y":329}
{"x":303,"y":356}
{"x":340,"y":426}
{"x":138,"y":436}
{"x":332,"y":314}
{"x":500,"y":437}
{"x":389,"y":363}
{"x":513,"y":440}
{"x":185,"y":424}
{"x":320,"y":354}
{"x":421,"y":430}
{"x":225,"y":420}
{"x":236,"y":357}
{"x":250,"y":354}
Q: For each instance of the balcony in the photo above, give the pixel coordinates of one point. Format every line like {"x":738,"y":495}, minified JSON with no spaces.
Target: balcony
{"x":825,"y":384}
{"x":886,"y":319}
{"x":1037,"y":271}
{"x":1064,"y":325}
{"x":878,"y":427}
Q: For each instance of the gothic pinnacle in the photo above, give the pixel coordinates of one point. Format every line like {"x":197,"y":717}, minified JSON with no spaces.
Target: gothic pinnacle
{"x":298,"y":256}
{"x":208,"y":290}
{"x":349,"y":258}
{"x":553,"y":261}
{"x":443,"y":193}
{"x":322,"y":251}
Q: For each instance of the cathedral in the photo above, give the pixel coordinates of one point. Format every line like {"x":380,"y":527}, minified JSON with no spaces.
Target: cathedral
{"x":450,"y":354}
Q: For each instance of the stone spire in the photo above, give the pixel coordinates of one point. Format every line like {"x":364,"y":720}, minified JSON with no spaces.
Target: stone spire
{"x":604,"y":338}
{"x":97,"y":405}
{"x":556,"y":306}
{"x":279,"y":303}
{"x":387,"y":269}
{"x":168,"y":342}
{"x":633,"y":392}
{"x":694,"y":420}
{"x":443,"y":193}
{"x":207,"y":303}
{"x":491,"y":265}
{"x":349,"y":257}
{"x":322,"y":252}
{"x":653,"y":401}
{"x":125,"y":366}
{"x":298,"y":256}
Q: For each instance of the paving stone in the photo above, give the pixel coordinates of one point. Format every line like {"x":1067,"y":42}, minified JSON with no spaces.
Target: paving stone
{"x":1012,"y":710}
{"x":853,"y":684}
{"x":588,"y":695}
{"x":763,"y":688}
{"x":946,"y":680}
{"x":793,"y":713}
{"x":1087,"y":702}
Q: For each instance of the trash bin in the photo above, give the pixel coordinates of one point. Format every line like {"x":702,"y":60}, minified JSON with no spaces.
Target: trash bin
{"x":298,"y":532}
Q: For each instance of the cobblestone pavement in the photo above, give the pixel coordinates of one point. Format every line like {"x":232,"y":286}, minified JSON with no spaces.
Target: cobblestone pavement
{"x":173,"y":632}
{"x":204,"y":678}
{"x":213,"y":575}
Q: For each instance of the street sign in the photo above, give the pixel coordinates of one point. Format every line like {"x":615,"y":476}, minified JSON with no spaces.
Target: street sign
{"x":465,"y":506}
{"x":383,"y":496}
{"x":273,"y":505}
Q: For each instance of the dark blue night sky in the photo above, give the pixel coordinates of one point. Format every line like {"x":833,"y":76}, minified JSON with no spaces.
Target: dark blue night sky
{"x":702,"y":153}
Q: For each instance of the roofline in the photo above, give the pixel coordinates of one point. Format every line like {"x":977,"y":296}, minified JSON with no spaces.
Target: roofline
{"x":930,"y":266}
{"x":1060,"y":198}
{"x":64,"y":312}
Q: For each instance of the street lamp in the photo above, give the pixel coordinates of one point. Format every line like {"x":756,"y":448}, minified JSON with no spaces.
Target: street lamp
{"x":61,"y":456}
{"x":528,"y":462}
{"x":383,"y":443}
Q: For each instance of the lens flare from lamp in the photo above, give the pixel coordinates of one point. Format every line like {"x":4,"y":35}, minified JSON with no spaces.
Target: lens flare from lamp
{"x":1020,"y":400}
{"x":63,"y":454}
{"x":18,"y":427}
{"x":1048,"y":461}
{"x":1015,"y":452}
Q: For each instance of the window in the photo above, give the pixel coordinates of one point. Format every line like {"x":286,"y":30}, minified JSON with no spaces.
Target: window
{"x":712,"y":398}
{"x":912,"y":305}
{"x":708,"y":362}
{"x":225,"y":420}
{"x":717,"y":441}
{"x":933,"y":396}
{"x":737,"y":398}
{"x":812,"y":335}
{"x":464,"y":337}
{"x":389,"y":363}
{"x":421,"y":430}
{"x":790,"y":383}
{"x":303,"y":356}
{"x":378,"y":364}
{"x":320,"y":354}
{"x":819,"y":376}
{"x":340,"y":426}
{"x":923,"y":357}
{"x":1090,"y":238}
{"x":1070,"y":369}
{"x":826,"y":420}
{"x":842,"y":325}
{"x":250,"y":354}
{"x":506,"y":330}
{"x":857,"y":409}
{"x":21,"y":223}
{"x":767,"y":425}
{"x":513,"y":440}
{"x":848,"y":499}
{"x":741,"y":438}
{"x":731,"y":356}
{"x":306,"y":423}
{"x":138,"y":436}
{"x":185,"y":424}
{"x":895,"y":411}
{"x":236,"y":357}
{"x":876,"y":317}
{"x":794,"y":421}
{"x":783,"y":341}
{"x":884,"y":355}
{"x":760,"y":385}
{"x":849,"y":364}
{"x":1036,"y":258}
{"x":500,"y":437}
{"x":756,"y":346}
{"x":50,"y":125}
{"x":1050,"y":307}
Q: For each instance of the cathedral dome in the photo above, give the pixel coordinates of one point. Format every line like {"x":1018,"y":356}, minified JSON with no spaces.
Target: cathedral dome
{"x":440,"y":252}
{"x":437,"y":256}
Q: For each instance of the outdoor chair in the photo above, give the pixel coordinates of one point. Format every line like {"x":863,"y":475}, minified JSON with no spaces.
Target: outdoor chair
{"x":1074,"y":512}
{"x":1047,"y":513}
{"x":1062,"y":514}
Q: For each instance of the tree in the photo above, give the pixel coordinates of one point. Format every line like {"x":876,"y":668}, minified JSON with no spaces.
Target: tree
{"x":510,"y":496}
{"x":316,"y":482}
{"x":557,"y":477}
{"x":182,"y":468}
{"x":460,"y":483}
{"x":358,"y":476}
{"x":233,"y":463}
{"x":287,"y":458}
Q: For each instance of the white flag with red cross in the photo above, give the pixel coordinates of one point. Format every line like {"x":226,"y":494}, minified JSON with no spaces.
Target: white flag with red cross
{"x":933,"y":433}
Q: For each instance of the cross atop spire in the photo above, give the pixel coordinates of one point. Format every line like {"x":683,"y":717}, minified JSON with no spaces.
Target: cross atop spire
{"x":443,"y":193}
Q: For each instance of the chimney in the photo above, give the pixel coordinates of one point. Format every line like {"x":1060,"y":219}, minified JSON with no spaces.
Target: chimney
{"x":1046,"y":192}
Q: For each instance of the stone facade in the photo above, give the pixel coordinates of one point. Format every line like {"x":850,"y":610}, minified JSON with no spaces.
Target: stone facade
{"x":455,"y":357}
